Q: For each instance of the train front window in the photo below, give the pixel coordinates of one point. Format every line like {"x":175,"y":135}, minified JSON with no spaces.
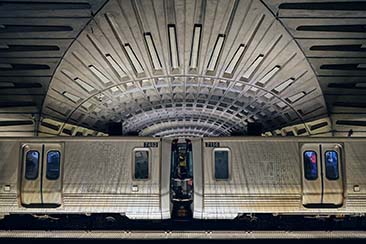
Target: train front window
{"x":221,"y":158}
{"x":310,"y":165}
{"x":53,"y":165}
{"x":141,"y":164}
{"x":31,"y":165}
{"x":331,"y":165}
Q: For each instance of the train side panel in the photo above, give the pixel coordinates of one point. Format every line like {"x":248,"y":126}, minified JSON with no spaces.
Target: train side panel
{"x":355,"y":171}
{"x":98,"y":176}
{"x":266,"y":175}
{"x":262,"y":177}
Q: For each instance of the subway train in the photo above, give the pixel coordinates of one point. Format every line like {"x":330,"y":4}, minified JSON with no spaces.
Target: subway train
{"x":199,"y":178}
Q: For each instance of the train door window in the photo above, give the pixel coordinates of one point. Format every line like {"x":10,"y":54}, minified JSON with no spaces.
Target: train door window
{"x":310,"y":165}
{"x":31,"y":165}
{"x":141,"y":161}
{"x":221,"y":161}
{"x":53,"y":165}
{"x":331,"y":165}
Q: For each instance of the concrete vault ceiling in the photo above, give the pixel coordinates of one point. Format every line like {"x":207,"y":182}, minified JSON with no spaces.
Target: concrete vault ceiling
{"x":173,"y":68}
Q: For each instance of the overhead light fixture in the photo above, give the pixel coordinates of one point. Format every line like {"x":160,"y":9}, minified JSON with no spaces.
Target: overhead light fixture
{"x":296,"y":97}
{"x":173,"y":44}
{"x":262,"y":82}
{"x":121,"y":73}
{"x":280,"y":88}
{"x":133,"y":59}
{"x":99,"y":74}
{"x":196,"y":39}
{"x":88,"y":88}
{"x":71,"y":97}
{"x":216,"y":53}
{"x":235,"y":60}
{"x":152,"y":51}
{"x":249,"y":72}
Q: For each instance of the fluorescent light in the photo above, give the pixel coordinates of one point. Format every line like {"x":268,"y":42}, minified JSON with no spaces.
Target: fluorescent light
{"x":99,"y":74}
{"x":193,"y":63}
{"x":68,"y":73}
{"x":253,"y":67}
{"x":262,"y":82}
{"x":72,"y":97}
{"x":152,"y":51}
{"x":173,"y":47}
{"x":296,"y":97}
{"x":116,"y":66}
{"x":134,"y":61}
{"x":280,"y":88}
{"x":88,"y":88}
{"x":216,"y":53}
{"x":235,"y":59}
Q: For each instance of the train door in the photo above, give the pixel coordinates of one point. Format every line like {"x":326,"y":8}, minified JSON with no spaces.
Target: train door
{"x":332,"y":176}
{"x":31,"y":176}
{"x":41,"y":181}
{"x":322,"y":175}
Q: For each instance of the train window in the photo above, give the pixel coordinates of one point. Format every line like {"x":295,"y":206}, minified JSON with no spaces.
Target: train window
{"x":331,"y":165}
{"x":53,"y":165}
{"x":310,"y":165}
{"x":141,"y":164}
{"x":221,"y":157}
{"x":31,"y":165}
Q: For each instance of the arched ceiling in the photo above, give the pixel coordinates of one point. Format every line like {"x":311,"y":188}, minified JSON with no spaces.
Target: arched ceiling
{"x":204,"y":67}
{"x":168,"y":68}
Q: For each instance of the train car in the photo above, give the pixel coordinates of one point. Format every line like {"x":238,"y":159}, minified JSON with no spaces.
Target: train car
{"x":62,"y":175}
{"x":201,"y":178}
{"x":294,"y":175}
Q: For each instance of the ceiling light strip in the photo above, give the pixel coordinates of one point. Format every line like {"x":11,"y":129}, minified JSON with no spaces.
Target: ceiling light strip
{"x":296,"y":97}
{"x":216,"y":53}
{"x":88,"y":88}
{"x":99,"y":74}
{"x":248,"y":74}
{"x":262,"y":82}
{"x":193,"y":62}
{"x":121,"y":73}
{"x":152,"y":51}
{"x":133,"y":59}
{"x":71,"y":97}
{"x":173,"y":44}
{"x":235,"y":60}
{"x":281,"y":87}
{"x":85,"y":86}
